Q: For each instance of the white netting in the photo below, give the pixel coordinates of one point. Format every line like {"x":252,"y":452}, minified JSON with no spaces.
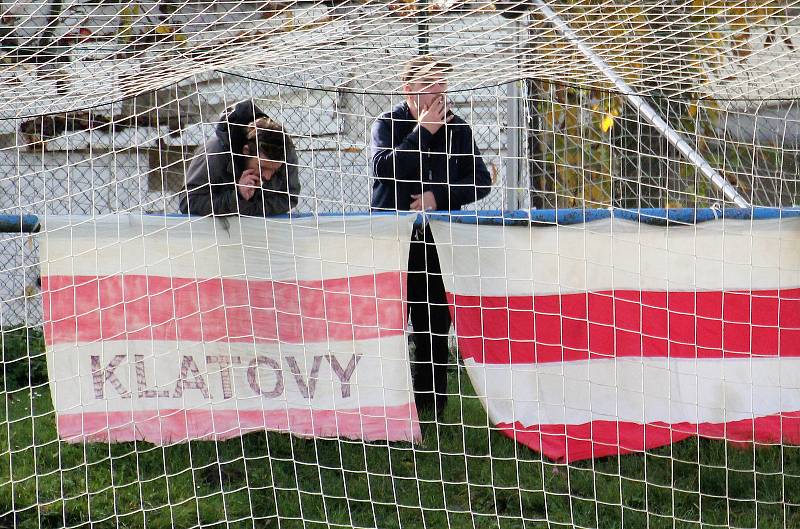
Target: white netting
{"x":103,"y":106}
{"x":65,"y":56}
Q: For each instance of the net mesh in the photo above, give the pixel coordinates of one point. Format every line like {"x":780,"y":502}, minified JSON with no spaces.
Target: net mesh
{"x":64,"y":56}
{"x":103,"y":105}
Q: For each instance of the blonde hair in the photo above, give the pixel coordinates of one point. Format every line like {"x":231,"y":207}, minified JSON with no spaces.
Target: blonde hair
{"x":422,"y":66}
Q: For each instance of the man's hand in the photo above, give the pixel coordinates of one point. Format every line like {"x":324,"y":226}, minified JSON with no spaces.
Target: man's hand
{"x":435,"y":115}
{"x":424,"y":202}
{"x":248,"y":183}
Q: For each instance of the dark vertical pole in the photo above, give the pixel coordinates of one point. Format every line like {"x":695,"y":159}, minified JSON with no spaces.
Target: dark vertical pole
{"x":542,"y":187}
{"x":423,"y":29}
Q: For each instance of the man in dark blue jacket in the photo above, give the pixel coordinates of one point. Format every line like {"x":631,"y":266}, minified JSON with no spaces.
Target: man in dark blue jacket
{"x":424,"y":158}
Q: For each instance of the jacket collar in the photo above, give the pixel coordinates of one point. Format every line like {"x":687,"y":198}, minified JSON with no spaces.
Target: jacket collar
{"x":401,"y":111}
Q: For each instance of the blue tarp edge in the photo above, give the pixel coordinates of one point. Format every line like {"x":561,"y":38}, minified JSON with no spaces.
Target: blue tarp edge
{"x":655,"y":216}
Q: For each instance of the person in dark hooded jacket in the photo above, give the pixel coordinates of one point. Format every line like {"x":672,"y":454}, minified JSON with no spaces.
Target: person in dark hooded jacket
{"x":248,"y":168}
{"x":424,"y":158}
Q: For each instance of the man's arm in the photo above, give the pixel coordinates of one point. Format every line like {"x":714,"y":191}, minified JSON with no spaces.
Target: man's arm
{"x":472,"y":181}
{"x":399,"y":163}
{"x":208,"y":191}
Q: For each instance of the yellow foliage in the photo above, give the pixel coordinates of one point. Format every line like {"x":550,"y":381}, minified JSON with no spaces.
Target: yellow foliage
{"x":574,"y":158}
{"x":166,"y":29}
{"x":126,"y":16}
{"x":596,"y":194}
{"x":607,"y":122}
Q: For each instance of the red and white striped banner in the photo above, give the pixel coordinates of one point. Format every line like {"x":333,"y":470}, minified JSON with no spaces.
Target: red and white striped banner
{"x":613,"y":336}
{"x":165,"y":329}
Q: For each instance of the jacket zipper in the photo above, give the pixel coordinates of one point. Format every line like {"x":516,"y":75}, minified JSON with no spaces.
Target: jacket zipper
{"x":448,"y":147}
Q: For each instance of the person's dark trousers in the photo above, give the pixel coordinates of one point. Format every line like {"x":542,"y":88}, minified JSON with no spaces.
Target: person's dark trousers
{"x":430,"y":317}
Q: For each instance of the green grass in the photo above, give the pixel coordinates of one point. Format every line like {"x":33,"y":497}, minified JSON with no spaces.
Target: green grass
{"x":463,"y":475}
